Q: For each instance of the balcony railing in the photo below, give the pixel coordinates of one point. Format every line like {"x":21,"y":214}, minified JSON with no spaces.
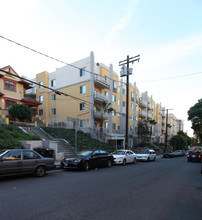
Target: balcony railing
{"x":149,"y":115}
{"x":99,"y":97}
{"x":149,"y":106}
{"x":142,"y":103}
{"x":100,"y":115}
{"x":100,"y":82}
{"x":142,"y":114}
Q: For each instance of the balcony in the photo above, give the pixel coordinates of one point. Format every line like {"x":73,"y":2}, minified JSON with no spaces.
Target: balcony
{"x":99,"y":97}
{"x":100,"y":115}
{"x":163,"y":114}
{"x":100,"y":82}
{"x":149,"y":106}
{"x":149,"y":115}
{"x":142,"y":114}
{"x":163,"y":121}
{"x":142,"y":103}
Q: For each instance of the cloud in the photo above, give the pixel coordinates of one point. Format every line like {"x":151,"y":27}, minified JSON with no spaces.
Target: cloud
{"x":123,"y":21}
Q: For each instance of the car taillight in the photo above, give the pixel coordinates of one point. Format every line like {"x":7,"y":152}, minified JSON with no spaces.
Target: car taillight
{"x":188,"y":155}
{"x":199,"y":156}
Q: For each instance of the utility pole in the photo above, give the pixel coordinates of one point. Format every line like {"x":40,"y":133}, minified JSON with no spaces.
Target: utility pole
{"x":125,"y":71}
{"x":166,"y":134}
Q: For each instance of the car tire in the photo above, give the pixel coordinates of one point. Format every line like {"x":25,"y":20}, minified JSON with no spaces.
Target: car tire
{"x":85,"y":166}
{"x":134,"y":161}
{"x":148,"y":159}
{"x":124,"y":162}
{"x":40,"y":171}
{"x":154,"y":158}
{"x":109,"y":163}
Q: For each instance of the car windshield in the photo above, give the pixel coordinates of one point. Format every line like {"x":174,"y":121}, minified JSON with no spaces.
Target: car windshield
{"x":144,"y":152}
{"x":119,"y":152}
{"x":85,"y":153}
{"x":2,"y":152}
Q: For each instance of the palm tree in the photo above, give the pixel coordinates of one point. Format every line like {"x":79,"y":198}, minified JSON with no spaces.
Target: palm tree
{"x":152,"y":122}
{"x":103,"y":109}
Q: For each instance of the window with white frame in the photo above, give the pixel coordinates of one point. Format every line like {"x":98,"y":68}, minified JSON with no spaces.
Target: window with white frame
{"x":124,"y":91}
{"x":83,"y":123}
{"x":53,"y":83}
{"x":82,"y":106}
{"x":113,"y":113}
{"x":106,"y":79}
{"x":53,"y":111}
{"x":53,"y":97}
{"x":136,"y":108}
{"x":113,"y":126}
{"x":132,"y":94}
{"x":118,"y":88}
{"x":40,"y":84}
{"x":82,"y":89}
{"x":118,"y":102}
{"x":40,"y":112}
{"x":131,"y":105}
{"x":106,"y":94}
{"x":114,"y":98}
{"x":83,"y":72}
{"x":41,"y":98}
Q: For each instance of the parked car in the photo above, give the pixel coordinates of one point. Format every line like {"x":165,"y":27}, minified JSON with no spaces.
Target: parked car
{"x":21,"y":161}
{"x":194,"y":156}
{"x":147,"y":155}
{"x":178,"y":153}
{"x":88,"y":159}
{"x":124,"y":156}
{"x":168,"y":154}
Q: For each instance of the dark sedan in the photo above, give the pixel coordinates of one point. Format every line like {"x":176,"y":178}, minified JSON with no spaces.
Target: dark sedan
{"x":194,"y":156}
{"x":21,"y":161}
{"x":88,"y":159}
{"x":168,"y":154}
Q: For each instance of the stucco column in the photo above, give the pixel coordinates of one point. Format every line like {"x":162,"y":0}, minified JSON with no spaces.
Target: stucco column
{"x":92,"y":68}
{"x":110,"y":96}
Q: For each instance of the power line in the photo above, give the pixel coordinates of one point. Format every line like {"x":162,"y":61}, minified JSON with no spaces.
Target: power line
{"x":171,"y":77}
{"x":50,"y":57}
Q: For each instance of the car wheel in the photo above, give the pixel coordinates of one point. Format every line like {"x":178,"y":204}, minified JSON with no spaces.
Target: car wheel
{"x":134,"y":161}
{"x":124,"y":162}
{"x":85,"y":166}
{"x":148,"y":159}
{"x":154,"y":158}
{"x":40,"y":171}
{"x":109,"y":163}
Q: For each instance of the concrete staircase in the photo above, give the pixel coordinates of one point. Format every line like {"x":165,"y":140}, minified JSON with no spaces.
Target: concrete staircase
{"x":63,"y":145}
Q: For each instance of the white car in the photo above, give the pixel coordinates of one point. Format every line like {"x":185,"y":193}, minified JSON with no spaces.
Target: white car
{"x":124,"y":156}
{"x":147,"y":155}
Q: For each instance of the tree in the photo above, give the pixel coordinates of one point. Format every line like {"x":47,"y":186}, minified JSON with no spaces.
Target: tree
{"x":180,"y":141}
{"x":195,"y":116}
{"x":151,"y":122}
{"x":143,"y":132}
{"x":103,"y":109}
{"x":21,"y":112}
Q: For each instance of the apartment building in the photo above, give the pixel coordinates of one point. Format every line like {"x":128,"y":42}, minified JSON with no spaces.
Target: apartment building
{"x":12,"y":90}
{"x":175,"y":125}
{"x":84,"y":85}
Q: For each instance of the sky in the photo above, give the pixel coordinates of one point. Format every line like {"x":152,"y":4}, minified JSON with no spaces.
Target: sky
{"x":166,"y":34}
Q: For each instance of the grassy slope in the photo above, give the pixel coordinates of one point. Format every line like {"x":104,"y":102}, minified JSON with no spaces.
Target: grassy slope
{"x":84,"y":141}
{"x":10,"y":137}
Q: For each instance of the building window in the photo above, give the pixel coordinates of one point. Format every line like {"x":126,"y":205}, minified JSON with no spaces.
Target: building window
{"x":132,"y":95}
{"x":40,"y":84}
{"x":124,"y":91}
{"x":118,"y":88}
{"x":9,"y":103}
{"x":82,"y":106}
{"x":113,"y":113}
{"x":118,"y":102}
{"x":105,"y":124}
{"x":131,"y":117}
{"x":118,"y":127}
{"x":106,"y":79}
{"x":53,"y":83}
{"x":9,"y":85}
{"x":82,"y":72}
{"x":82,"y":123}
{"x":124,"y":104}
{"x":131,"y":128}
{"x":53,"y":111}
{"x":41,"y":98}
{"x":82,"y":89}
{"x":131,"y":105}
{"x":106,"y":94}
{"x":114,"y":98}
{"x":113,"y":126}
{"x":40,"y":112}
{"x":114,"y":84}
{"x":136,"y":108}
{"x":53,"y":97}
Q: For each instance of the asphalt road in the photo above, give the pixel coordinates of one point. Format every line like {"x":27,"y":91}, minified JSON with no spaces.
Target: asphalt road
{"x":164,"y":189}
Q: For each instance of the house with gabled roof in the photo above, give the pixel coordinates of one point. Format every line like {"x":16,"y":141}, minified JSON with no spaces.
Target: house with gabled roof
{"x":13,"y":90}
